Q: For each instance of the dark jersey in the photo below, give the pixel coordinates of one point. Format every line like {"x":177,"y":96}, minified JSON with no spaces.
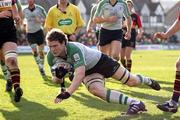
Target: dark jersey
{"x":179,"y":16}
{"x":136,"y":22}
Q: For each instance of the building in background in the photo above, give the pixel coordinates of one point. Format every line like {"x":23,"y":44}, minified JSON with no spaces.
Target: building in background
{"x":154,"y":15}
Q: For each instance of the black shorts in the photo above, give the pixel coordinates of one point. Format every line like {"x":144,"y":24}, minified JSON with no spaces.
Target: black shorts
{"x":131,"y":42}
{"x":106,"y":67}
{"x":107,"y":36}
{"x":7,"y":31}
{"x":36,"y":38}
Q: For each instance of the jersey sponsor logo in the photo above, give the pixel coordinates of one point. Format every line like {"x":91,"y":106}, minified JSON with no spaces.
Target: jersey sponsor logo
{"x":65,"y":22}
{"x":76,"y":57}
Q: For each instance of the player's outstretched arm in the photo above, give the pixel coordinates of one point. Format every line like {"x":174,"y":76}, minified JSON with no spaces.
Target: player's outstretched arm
{"x":172,"y":30}
{"x":78,"y":77}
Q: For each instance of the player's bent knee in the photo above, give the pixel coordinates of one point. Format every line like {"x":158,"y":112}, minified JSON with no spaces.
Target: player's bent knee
{"x":94,"y":83}
{"x":95,"y":88}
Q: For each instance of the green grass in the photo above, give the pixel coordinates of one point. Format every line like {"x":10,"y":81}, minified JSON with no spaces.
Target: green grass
{"x":37,"y":101}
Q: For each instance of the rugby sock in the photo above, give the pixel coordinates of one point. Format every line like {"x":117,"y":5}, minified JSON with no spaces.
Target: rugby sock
{"x":123,"y":61}
{"x":113,"y":96}
{"x":37,"y":59}
{"x":41,"y":56}
{"x":41,"y":61}
{"x":176,"y":91}
{"x":15,"y":77}
{"x":129,"y":64}
{"x":144,"y":80}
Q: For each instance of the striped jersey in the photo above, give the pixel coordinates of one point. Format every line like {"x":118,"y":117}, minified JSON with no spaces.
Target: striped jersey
{"x":78,"y":55}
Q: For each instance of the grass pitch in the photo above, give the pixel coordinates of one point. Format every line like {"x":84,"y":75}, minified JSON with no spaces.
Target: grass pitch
{"x":37,"y":101}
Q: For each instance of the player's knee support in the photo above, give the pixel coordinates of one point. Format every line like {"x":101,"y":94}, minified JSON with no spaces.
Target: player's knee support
{"x":11,"y":56}
{"x":93,"y":81}
{"x":125,"y":76}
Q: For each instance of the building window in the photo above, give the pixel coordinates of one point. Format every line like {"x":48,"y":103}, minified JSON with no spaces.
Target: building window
{"x":159,"y":18}
{"x":145,"y":19}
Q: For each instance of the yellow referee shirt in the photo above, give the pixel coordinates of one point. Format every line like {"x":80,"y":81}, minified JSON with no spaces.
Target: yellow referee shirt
{"x":67,"y":21}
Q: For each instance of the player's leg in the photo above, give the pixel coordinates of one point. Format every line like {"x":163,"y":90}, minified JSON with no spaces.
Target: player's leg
{"x":172,"y":104}
{"x":130,"y":45}
{"x":123,"y":52}
{"x":95,"y":85}
{"x":41,"y":56}
{"x":111,"y":68}
{"x":6,"y":73}
{"x":4,"y":68}
{"x":104,"y":41}
{"x":115,"y":49}
{"x":40,"y":42}
{"x":105,"y":49}
{"x":35,"y":53}
{"x":130,"y":79}
{"x":31,"y":37}
{"x":10,"y":53}
{"x":123,"y":58}
{"x":128,"y":58}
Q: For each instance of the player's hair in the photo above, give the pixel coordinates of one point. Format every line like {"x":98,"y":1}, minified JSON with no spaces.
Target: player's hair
{"x":56,"y":35}
{"x":130,"y":2}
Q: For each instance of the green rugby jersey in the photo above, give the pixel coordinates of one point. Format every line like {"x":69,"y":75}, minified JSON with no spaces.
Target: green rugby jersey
{"x":78,"y":55}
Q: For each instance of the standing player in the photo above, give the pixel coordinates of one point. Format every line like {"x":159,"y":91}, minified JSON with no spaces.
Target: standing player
{"x":4,"y":67}
{"x":172,"y":104}
{"x":35,"y":17}
{"x":109,"y":14}
{"x":91,"y":67}
{"x":129,"y":45}
{"x":8,"y":46}
{"x":66,"y":17}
